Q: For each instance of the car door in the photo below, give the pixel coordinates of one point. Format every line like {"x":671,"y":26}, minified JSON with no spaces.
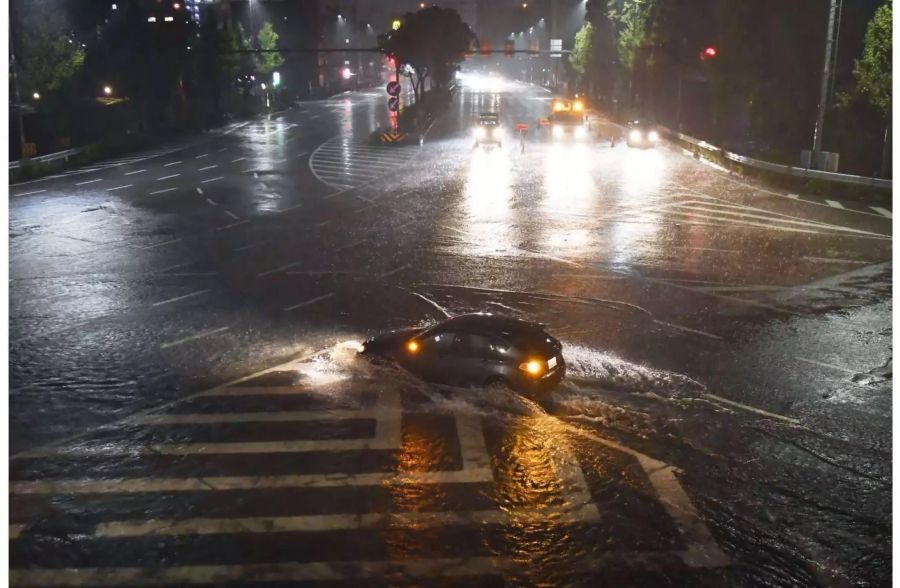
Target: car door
{"x":437,"y":360}
{"x":479,"y":358}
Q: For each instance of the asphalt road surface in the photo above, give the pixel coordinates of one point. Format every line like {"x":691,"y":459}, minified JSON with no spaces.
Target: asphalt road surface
{"x":187,"y":407}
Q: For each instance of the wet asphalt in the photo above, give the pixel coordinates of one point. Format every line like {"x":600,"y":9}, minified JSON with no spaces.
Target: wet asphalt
{"x":726,"y":420}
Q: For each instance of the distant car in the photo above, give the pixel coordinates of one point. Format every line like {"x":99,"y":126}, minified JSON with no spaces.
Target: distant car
{"x":642,"y":134}
{"x":476,"y":350}
{"x":488,"y":130}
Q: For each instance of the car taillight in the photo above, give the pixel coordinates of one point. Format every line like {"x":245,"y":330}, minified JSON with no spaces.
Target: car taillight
{"x":533,"y":367}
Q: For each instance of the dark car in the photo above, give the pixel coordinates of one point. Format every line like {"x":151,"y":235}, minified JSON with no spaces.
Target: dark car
{"x":642,"y":134}
{"x":476,"y":350}
{"x":488,"y":131}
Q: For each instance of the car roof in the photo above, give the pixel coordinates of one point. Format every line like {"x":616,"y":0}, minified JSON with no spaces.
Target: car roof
{"x":489,"y":115}
{"x":490,"y":324}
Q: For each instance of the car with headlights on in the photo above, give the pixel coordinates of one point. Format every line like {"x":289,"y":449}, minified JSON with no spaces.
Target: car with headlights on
{"x":641,"y":134}
{"x":479,"y":349}
{"x":488,"y":130}
{"x":568,"y":121}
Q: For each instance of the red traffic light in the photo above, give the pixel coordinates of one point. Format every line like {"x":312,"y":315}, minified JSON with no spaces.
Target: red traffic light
{"x":708,"y":53}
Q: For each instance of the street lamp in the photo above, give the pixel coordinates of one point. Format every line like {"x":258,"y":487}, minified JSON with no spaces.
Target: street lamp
{"x":107,"y":90}
{"x":36,"y":96}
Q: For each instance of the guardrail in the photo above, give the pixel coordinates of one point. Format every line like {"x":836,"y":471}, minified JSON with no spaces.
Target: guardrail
{"x":798,"y":172}
{"x":64,"y":155}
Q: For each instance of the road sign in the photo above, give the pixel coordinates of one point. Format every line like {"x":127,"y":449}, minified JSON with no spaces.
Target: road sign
{"x":393,"y":88}
{"x":556,"y":45}
{"x":393,"y":104}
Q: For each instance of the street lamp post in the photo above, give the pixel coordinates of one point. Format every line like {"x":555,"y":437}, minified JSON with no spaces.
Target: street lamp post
{"x":823,"y":93}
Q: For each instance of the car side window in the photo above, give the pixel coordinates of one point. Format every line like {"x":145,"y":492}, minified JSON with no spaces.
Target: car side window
{"x":479,"y":346}
{"x":440,"y":343}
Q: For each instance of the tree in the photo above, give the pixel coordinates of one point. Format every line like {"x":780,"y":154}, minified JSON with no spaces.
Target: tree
{"x":582,"y":52}
{"x":266,"y":63}
{"x":48,"y":54}
{"x":428,"y":44}
{"x":873,"y":70}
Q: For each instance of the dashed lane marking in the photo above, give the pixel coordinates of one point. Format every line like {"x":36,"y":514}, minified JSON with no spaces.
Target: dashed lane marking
{"x":232,"y":215}
{"x":223,"y":149}
{"x":752,"y":409}
{"x":167,"y":177}
{"x":171,"y":163}
{"x":201,"y":156}
{"x":238,"y":159}
{"x":882,"y":211}
{"x":89,"y":182}
{"x":162,"y":191}
{"x":299,"y":155}
{"x":119,"y":187}
{"x":169,"y":242}
{"x":277,"y":269}
{"x":31,"y":193}
{"x":212,"y":202}
{"x":830,"y":366}
{"x":235,"y":224}
{"x":212,"y":179}
{"x":308,"y":302}
{"x":394,"y":271}
{"x":835,"y":204}
{"x":193,"y":338}
{"x":207,"y":167}
{"x":178,"y":298}
{"x":688,"y":330}
{"x":140,"y":171}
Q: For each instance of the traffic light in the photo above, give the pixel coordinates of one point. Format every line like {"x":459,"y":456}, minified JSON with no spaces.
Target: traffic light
{"x":486,"y":48}
{"x":708,"y":53}
{"x":509,"y":48}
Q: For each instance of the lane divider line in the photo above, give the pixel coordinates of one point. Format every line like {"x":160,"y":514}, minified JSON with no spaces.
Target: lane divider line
{"x":193,"y":337}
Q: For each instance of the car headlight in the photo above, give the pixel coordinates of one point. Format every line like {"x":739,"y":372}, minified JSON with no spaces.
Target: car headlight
{"x":479,"y":133}
{"x":634,"y":135}
{"x":498,"y":133}
{"x":580,"y":132}
{"x":533,"y":367}
{"x":558,"y":131}
{"x":653,"y":136}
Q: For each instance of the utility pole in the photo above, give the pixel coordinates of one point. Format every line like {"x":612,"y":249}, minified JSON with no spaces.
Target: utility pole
{"x":554,"y":34}
{"x":826,"y":82}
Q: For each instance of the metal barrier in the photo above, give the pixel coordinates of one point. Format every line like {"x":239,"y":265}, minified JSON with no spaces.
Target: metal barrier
{"x":798,"y":172}
{"x":65,"y":155}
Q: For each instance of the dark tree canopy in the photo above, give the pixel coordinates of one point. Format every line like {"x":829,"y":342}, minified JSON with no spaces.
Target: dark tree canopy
{"x":428,"y":44}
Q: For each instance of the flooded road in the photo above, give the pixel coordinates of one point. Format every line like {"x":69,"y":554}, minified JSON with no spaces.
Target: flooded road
{"x":725,"y":420}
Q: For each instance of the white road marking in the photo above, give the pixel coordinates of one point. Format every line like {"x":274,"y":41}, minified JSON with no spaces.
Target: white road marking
{"x":89,"y":182}
{"x":359,"y":573}
{"x":834,"y":204}
{"x":314,"y":116}
{"x":250,"y":246}
{"x":205,"y":418}
{"x":834,"y":260}
{"x":688,"y":329}
{"x":882,"y":211}
{"x":752,"y":409}
{"x":238,"y":159}
{"x":140,"y":171}
{"x":167,"y":177}
{"x":192,"y":274}
{"x":237,"y":224}
{"x":827,"y":365}
{"x":289,"y":208}
{"x":394,"y":271}
{"x":176,"y":299}
{"x":202,"y":156}
{"x":176,"y":266}
{"x":216,"y":483}
{"x":301,"y":154}
{"x":223,"y":149}
{"x":212,"y":180}
{"x":232,"y":215}
{"x":31,"y":193}
{"x":119,"y":187}
{"x":308,"y":302}
{"x":207,"y":167}
{"x":277,"y":269}
{"x":211,"y":201}
{"x":163,"y":191}
{"x":793,"y":196}
{"x":193,"y":338}
{"x":169,"y":242}
{"x":172,"y":163}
